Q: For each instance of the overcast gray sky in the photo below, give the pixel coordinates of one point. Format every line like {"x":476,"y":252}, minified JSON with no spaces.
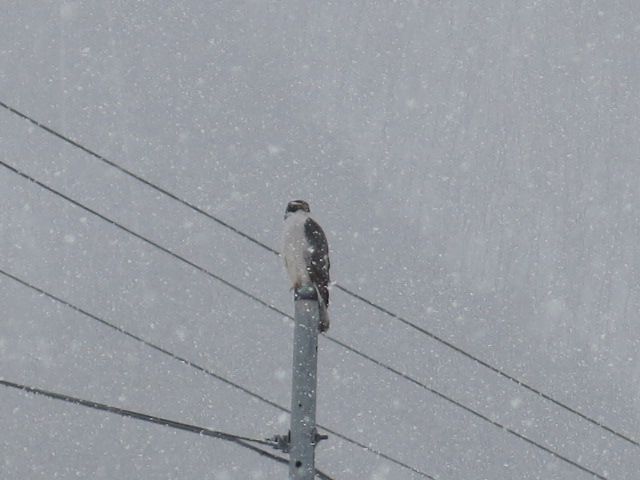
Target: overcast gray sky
{"x":474,"y":164}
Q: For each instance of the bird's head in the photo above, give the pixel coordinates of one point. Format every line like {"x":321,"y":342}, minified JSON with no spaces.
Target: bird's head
{"x":295,"y":206}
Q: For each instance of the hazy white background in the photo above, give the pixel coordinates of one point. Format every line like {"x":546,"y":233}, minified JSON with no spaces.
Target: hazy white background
{"x":474,"y":164}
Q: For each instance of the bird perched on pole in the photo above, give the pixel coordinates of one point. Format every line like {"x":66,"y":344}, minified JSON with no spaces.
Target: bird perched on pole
{"x":306,"y":254}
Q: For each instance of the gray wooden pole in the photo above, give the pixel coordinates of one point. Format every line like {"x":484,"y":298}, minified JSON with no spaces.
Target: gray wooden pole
{"x":304,"y":384}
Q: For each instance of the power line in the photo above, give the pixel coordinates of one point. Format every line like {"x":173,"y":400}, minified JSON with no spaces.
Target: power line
{"x":143,"y":341}
{"x":244,"y":442}
{"x":138,"y":236}
{"x":494,"y":369}
{"x":378,"y":307}
{"x":206,"y":371}
{"x":477,"y":414}
{"x":281,"y":408}
{"x":137,"y":415}
{"x":135,"y":176}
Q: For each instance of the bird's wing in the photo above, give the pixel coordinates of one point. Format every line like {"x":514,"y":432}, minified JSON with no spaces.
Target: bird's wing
{"x":317,"y":258}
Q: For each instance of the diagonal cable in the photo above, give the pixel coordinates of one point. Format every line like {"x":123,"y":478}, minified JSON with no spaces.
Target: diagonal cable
{"x":244,"y":442}
{"x":133,"y":175}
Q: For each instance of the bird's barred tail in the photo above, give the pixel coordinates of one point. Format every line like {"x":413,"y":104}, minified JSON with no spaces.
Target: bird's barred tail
{"x":323,"y":292}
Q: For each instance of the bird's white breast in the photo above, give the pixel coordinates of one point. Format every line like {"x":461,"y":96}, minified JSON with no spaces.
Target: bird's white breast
{"x":295,"y":248}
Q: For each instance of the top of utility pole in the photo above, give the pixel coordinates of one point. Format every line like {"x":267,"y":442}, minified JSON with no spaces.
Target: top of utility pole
{"x":303,"y":437}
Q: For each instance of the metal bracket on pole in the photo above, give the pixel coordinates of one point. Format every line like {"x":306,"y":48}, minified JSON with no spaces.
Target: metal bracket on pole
{"x":281,"y":442}
{"x":319,"y":438}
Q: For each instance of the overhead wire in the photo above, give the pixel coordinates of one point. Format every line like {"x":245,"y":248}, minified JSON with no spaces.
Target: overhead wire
{"x":135,"y":176}
{"x":342,"y":344}
{"x":206,"y":371}
{"x":346,"y":290}
{"x":243,"y":441}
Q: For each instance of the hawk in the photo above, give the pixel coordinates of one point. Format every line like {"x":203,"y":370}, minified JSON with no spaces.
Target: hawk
{"x":306,"y":254}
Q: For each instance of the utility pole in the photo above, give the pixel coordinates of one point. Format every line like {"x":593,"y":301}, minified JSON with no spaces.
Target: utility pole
{"x":303,"y":437}
{"x":304,"y":384}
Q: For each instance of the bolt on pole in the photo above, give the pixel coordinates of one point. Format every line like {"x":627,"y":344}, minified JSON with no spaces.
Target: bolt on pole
{"x":304,"y":384}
